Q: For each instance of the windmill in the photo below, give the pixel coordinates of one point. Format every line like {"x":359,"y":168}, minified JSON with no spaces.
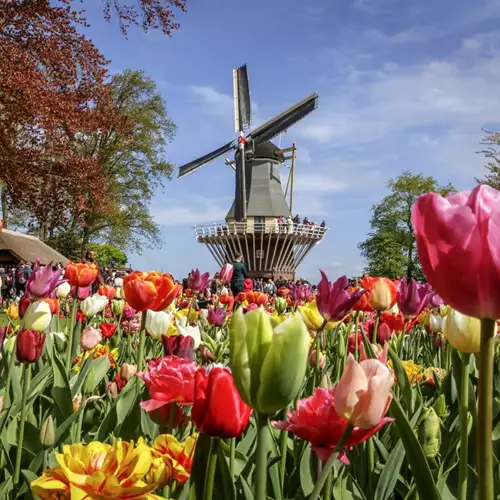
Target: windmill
{"x":258,"y":199}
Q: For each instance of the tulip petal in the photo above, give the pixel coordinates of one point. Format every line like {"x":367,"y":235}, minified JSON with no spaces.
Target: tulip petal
{"x":353,"y":380}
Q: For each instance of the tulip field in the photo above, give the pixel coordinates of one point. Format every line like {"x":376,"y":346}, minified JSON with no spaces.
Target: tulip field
{"x":384,"y":390}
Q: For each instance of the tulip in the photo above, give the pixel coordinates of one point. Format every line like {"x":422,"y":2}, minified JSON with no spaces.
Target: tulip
{"x":429,"y":433}
{"x":117,"y":307}
{"x":127,"y":371}
{"x":313,"y":319}
{"x":157,"y":323}
{"x":3,"y":333}
{"x":218,"y":409}
{"x":63,"y":290}
{"x":107,"y":291}
{"x":206,"y":355}
{"x":29,"y":346}
{"x":81,"y":274}
{"x":169,"y":379}
{"x":23,"y":305}
{"x":37,"y":316}
{"x":226,"y":273}
{"x":13,"y":311}
{"x":47,"y":433}
{"x":82,"y":292}
{"x":119,"y":291}
{"x":300,"y":292}
{"x":217,"y":316}
{"x":280,"y":305}
{"x":462,"y":332}
{"x":363,"y":394}
{"x":317,"y":421}
{"x":258,"y":298}
{"x":178,"y":345}
{"x":435,"y":300}
{"x":93,"y":305}
{"x":43,"y":281}
{"x":107,"y":329}
{"x":90,"y":338}
{"x":412,"y":298}
{"x":268,"y":367}
{"x":312,"y":359}
{"x":334,"y":301}
{"x":155,"y":291}
{"x":198,"y":282}
{"x":436,"y":323}
{"x":112,"y":388}
{"x":382,"y":292}
{"x":188,"y":331}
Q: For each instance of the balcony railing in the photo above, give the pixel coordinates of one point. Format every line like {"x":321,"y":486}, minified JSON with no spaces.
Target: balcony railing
{"x":226,"y":228}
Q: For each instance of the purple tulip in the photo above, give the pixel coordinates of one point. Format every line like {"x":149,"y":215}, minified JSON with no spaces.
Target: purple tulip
{"x":83,"y":292}
{"x":128,"y":313}
{"x":300,"y":292}
{"x":197,"y":282}
{"x":217,"y":316}
{"x":43,"y":281}
{"x":334,"y":300}
{"x":435,"y":300}
{"x":412,"y":298}
{"x":178,"y":345}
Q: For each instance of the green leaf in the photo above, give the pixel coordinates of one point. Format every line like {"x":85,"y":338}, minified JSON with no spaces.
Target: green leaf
{"x":64,"y":428}
{"x":247,"y":492}
{"x":227,"y":478}
{"x":126,"y":400}
{"x":6,"y":487}
{"x":76,"y":387}
{"x":424,"y":480}
{"x":100,"y":366}
{"x":402,"y":380}
{"x":60,"y":390}
{"x":306,"y":477}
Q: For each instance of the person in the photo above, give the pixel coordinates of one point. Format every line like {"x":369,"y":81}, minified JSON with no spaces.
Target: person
{"x":239,"y":275}
{"x":91,"y":257}
{"x":21,"y":278}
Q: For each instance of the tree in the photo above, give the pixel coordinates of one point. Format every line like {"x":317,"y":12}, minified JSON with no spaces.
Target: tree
{"x":131,"y":158}
{"x":109,"y":255}
{"x":390,"y":248}
{"x":492,"y":178}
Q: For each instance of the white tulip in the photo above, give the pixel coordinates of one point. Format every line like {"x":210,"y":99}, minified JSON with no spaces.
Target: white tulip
{"x":94,"y":304}
{"x":157,"y":323}
{"x":37,"y":317}
{"x":119,"y":293}
{"x":63,"y":290}
{"x":189,"y":331}
{"x":436,"y":323}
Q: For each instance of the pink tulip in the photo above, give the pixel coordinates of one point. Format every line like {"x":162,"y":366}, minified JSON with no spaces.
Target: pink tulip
{"x":90,"y":338}
{"x":83,"y":292}
{"x":226,"y":273}
{"x":458,"y":243}
{"x":363,"y":394}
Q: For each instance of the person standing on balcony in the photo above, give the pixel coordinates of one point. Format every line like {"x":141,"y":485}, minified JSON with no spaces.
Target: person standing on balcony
{"x":239,"y":275}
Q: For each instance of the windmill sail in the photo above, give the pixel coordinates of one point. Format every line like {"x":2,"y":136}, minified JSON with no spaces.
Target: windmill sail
{"x":199,"y":162}
{"x":242,"y":103}
{"x":283,"y":121}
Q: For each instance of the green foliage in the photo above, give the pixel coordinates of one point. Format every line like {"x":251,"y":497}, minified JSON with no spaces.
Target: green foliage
{"x":390,"y":248}
{"x":109,"y":255}
{"x":492,"y":178}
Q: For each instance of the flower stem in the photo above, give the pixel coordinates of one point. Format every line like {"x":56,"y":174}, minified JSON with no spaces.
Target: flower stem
{"x":464,"y":438}
{"x":328,"y":466}
{"x":79,"y":425}
{"x":20,"y":439}
{"x":71,"y":331}
{"x":142,"y":342}
{"x":283,"y":449}
{"x":232,"y":450}
{"x":327,"y":492}
{"x":484,"y":410}
{"x":208,"y":489}
{"x":356,"y":346}
{"x":375,"y":327}
{"x":6,"y":402}
{"x":261,"y":458}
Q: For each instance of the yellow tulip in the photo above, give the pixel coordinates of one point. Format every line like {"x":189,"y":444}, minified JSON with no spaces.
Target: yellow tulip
{"x":313,"y":319}
{"x":462,"y":332}
{"x":276,"y":318}
{"x":13,"y":311}
{"x":99,"y":470}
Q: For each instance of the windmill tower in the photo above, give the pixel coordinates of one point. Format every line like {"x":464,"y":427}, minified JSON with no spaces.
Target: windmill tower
{"x":270,"y":250}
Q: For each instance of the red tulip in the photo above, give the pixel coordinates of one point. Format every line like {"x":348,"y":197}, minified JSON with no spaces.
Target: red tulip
{"x":29,"y":345}
{"x":178,"y":345}
{"x":23,"y":305}
{"x":226,"y":273}
{"x":218,"y":409}
{"x":169,"y":379}
{"x":316,"y":420}
{"x":457,"y":242}
{"x":107,"y":291}
{"x":107,"y":329}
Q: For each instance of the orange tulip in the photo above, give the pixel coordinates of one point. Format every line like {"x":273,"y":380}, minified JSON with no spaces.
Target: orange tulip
{"x":107,"y":291}
{"x":53,"y":304}
{"x":258,"y":298}
{"x":154,"y":291}
{"x":283,"y":291}
{"x":362,"y":304}
{"x":227,"y":300}
{"x":382,"y":292}
{"x":81,"y":273}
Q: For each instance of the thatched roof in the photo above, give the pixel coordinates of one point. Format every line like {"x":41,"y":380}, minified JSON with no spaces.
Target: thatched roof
{"x":28,"y":248}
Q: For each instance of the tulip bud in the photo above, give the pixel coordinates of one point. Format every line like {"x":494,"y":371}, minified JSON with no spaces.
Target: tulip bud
{"x":90,"y":338}
{"x":47,"y":433}
{"x":462,"y":332}
{"x":63,"y":290}
{"x":37,"y":317}
{"x":268,"y":367}
{"x":13,"y":311}
{"x":113,"y":389}
{"x":440,"y":406}
{"x":436,"y":323}
{"x":77,"y":402}
{"x":206,"y":355}
{"x":429,"y":433}
{"x":117,"y":306}
{"x":127,"y":371}
{"x":312,"y":359}
{"x":29,"y":346}
{"x":326,"y":382}
{"x":280,"y":304}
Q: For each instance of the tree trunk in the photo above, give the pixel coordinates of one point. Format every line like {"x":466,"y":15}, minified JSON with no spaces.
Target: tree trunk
{"x":409,"y":268}
{"x":85,"y":241}
{"x":5,"y":211}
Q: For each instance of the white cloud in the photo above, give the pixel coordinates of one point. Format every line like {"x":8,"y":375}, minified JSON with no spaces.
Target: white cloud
{"x":318,"y":183}
{"x":214,"y":101}
{"x":406,"y":36}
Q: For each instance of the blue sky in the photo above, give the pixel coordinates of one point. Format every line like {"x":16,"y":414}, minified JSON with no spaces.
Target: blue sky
{"x":402,"y":85}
